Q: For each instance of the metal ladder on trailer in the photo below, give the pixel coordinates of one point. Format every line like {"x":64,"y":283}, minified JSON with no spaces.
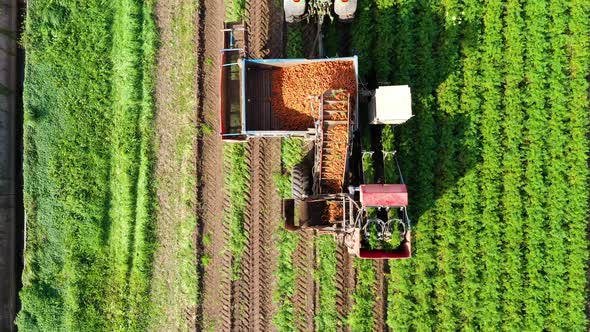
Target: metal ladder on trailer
{"x":330,"y":115}
{"x":230,"y":41}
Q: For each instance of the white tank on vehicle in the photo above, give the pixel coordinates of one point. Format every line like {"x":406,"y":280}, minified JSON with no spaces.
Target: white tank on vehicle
{"x":345,"y":9}
{"x":294,"y":10}
{"x":390,"y":105}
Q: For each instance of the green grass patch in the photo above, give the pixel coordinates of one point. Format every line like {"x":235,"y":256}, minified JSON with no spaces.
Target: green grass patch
{"x":88,"y":165}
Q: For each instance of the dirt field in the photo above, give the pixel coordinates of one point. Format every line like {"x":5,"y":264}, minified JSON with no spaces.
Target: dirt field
{"x":189,"y":145}
{"x":216,"y":304}
{"x":252,"y":304}
{"x":175,"y":282}
{"x":10,"y":199}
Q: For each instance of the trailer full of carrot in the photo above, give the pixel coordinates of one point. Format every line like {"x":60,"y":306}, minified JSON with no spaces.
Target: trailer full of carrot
{"x":292,"y":87}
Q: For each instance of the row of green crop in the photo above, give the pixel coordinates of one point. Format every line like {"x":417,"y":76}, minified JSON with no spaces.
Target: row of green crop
{"x":237,"y":183}
{"x":535,"y":189}
{"x":512,"y":168}
{"x":360,"y":317}
{"x":446,"y":282}
{"x":88,"y":165}
{"x":286,"y":274}
{"x":556,"y":167}
{"x":234,"y":10}
{"x":326,"y":316}
{"x":489,"y":170}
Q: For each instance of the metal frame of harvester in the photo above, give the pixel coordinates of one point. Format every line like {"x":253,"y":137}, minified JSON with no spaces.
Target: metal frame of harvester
{"x":365,"y":210}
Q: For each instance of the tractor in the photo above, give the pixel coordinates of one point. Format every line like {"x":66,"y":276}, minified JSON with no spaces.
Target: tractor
{"x":330,"y":194}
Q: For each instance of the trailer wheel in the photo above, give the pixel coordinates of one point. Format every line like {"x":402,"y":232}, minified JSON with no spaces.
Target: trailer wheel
{"x":300,"y":182}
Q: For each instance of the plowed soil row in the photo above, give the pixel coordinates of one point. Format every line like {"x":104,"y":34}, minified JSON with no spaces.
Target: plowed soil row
{"x":254,"y":309}
{"x":252,"y":306}
{"x":265,"y":28}
{"x":305,"y":296}
{"x":380,"y":308}
{"x":216,"y":289}
{"x":344,"y":281}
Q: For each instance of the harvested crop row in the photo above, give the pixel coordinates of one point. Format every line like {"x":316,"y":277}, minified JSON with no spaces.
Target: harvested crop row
{"x":292,"y":87}
{"x":335,"y":160}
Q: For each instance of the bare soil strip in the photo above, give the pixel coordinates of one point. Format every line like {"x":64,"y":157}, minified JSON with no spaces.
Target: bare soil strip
{"x":344,"y":282}
{"x":265,"y":27}
{"x":380,"y":308}
{"x":217,"y":286}
{"x":174,"y":280}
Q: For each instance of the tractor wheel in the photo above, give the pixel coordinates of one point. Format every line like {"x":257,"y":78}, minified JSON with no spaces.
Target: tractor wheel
{"x":300,"y":182}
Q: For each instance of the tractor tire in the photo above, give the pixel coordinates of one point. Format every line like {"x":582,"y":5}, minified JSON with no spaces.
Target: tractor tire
{"x":300,"y":182}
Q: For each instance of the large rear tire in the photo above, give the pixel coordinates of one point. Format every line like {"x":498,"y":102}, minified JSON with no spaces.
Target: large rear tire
{"x":300,"y":182}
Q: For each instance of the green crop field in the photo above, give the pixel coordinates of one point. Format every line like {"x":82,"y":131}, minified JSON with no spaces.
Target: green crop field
{"x":88,"y":102}
{"x":495,"y":159}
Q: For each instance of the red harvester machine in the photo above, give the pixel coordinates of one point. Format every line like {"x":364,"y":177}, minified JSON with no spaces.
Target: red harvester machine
{"x":330,"y":194}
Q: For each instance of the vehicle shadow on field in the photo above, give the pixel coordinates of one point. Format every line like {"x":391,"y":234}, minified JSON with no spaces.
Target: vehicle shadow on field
{"x":419,"y":45}
{"x":440,"y":144}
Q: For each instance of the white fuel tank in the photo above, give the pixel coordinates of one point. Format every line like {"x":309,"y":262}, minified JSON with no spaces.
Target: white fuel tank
{"x":390,"y":105}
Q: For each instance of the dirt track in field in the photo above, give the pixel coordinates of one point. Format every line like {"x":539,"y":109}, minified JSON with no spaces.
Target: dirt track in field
{"x":252,"y":308}
{"x":216,"y":304}
{"x":305,"y":297}
{"x":380,"y":308}
{"x":265,"y":26}
{"x":344,"y":281}
{"x":252,"y":305}
{"x":174,"y":277}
